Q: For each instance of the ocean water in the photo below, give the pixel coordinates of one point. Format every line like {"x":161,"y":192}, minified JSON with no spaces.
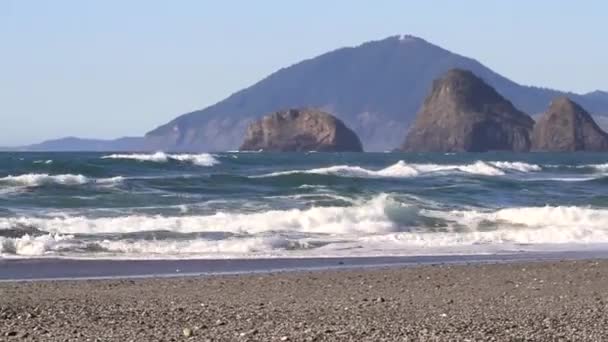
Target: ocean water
{"x":260,"y":205}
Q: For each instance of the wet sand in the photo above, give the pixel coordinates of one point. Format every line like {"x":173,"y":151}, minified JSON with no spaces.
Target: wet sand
{"x":12,"y":269}
{"x":517,"y":301}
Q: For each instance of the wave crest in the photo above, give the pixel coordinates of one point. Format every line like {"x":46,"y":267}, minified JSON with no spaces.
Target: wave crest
{"x":39,"y":179}
{"x":537,"y":217}
{"x":516,"y":166}
{"x":381,"y":225}
{"x":362,"y":218}
{"x":402,"y":169}
{"x":203,"y":159}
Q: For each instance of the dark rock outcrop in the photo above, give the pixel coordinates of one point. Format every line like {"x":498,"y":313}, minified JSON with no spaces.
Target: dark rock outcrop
{"x":566,"y":126}
{"x":300,"y":130}
{"x":464,"y":114}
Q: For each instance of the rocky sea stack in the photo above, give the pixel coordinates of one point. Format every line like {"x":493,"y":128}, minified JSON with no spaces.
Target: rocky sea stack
{"x":300,"y":130}
{"x":566,"y":126}
{"x":464,"y":114}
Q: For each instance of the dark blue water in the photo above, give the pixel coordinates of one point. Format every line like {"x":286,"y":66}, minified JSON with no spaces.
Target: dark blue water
{"x":103,"y":205}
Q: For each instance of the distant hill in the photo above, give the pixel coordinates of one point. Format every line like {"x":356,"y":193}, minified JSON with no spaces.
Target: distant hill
{"x":375,"y":88}
{"x":91,"y":145}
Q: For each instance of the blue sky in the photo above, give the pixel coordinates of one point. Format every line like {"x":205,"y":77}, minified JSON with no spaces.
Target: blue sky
{"x":110,"y":68}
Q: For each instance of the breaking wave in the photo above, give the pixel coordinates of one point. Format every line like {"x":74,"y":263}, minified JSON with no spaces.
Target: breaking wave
{"x":404,"y":170}
{"x":203,"y":159}
{"x":382,"y":223}
{"x":39,"y":179}
{"x":62,"y":205}
{"x":366,"y":217}
{"x":516,"y":166}
{"x":52,"y":244}
{"x":596,"y":167}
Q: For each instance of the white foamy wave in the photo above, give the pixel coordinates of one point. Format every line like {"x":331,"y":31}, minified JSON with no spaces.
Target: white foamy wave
{"x":361,"y":218}
{"x":380,"y":226}
{"x":379,"y":215}
{"x":39,"y":179}
{"x":478,"y":168}
{"x":312,"y":186}
{"x":196,"y":159}
{"x":203,"y":159}
{"x":516,"y":166}
{"x":236,"y":246}
{"x":32,"y":246}
{"x":599,"y":168}
{"x":535,"y":217}
{"x":400,"y":169}
{"x":596,"y":167}
{"x":514,"y":229}
{"x":53,"y":244}
{"x":110,"y":181}
{"x":158,"y":157}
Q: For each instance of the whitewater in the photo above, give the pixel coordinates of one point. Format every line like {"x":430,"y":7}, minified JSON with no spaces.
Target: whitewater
{"x":264,"y":205}
{"x":203,"y":159}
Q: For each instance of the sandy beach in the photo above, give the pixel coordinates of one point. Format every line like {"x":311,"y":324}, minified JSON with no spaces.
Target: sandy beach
{"x":521,"y":301}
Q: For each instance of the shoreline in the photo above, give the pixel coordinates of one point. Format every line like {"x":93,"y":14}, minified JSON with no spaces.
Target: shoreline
{"x":512,"y":301}
{"x":47,"y":269}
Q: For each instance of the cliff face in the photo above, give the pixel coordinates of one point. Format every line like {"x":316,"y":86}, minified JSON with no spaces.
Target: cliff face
{"x":566,"y":126}
{"x":464,"y":114}
{"x":300,"y":130}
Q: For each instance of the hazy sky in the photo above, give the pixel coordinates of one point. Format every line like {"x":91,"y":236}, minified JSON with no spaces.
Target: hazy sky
{"x":110,"y":68}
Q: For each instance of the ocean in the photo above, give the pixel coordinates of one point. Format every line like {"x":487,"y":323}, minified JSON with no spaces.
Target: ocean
{"x":299,"y":205}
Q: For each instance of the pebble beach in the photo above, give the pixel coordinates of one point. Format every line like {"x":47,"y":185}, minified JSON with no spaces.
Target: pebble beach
{"x":521,"y":301}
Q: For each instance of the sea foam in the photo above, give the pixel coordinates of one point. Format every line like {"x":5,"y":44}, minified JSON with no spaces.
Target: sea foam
{"x":51,"y":245}
{"x":599,"y":168}
{"x":402,"y":169}
{"x":39,"y":179}
{"x":537,"y":217}
{"x":32,"y":245}
{"x":379,"y":226}
{"x":362,"y":218}
{"x":379,"y":215}
{"x":203,"y":159}
{"x":516,"y":166}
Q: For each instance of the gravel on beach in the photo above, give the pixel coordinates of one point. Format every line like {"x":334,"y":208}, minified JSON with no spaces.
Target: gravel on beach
{"x":533,"y":301}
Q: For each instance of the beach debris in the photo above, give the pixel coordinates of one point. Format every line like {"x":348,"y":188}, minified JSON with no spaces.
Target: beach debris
{"x":284,"y":338}
{"x":380,"y":300}
{"x":187,"y":332}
